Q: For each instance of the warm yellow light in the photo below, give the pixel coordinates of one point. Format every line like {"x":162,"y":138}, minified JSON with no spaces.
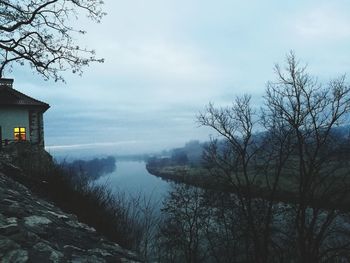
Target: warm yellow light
{"x":19,"y":133}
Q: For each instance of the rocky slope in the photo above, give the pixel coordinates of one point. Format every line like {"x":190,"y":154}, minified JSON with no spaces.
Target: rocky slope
{"x":34,"y":230}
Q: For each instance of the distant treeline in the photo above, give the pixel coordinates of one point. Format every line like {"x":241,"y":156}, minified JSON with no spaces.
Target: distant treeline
{"x":132,"y":157}
{"x":92,"y":169}
{"x":190,"y":154}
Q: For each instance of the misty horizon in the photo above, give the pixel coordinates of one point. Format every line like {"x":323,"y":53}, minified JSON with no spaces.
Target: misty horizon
{"x":164,"y":62}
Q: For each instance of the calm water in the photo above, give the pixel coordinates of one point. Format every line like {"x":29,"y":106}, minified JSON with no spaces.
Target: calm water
{"x":132,"y":178}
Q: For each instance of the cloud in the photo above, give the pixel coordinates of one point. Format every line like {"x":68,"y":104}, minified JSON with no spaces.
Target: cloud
{"x":87,"y":145}
{"x":323,"y":22}
{"x":165,"y":60}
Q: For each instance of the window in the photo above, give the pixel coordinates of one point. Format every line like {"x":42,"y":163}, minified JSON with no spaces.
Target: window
{"x":20,"y":133}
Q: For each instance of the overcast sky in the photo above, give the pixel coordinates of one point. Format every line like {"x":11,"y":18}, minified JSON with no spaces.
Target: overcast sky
{"x":166,"y":59}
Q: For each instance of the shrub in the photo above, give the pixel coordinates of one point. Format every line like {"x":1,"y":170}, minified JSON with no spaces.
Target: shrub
{"x":93,"y":204}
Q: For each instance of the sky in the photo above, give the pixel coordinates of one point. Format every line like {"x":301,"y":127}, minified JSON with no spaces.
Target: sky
{"x":165,"y":60}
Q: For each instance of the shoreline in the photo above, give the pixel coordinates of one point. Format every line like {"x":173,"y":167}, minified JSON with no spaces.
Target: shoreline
{"x":189,"y":176}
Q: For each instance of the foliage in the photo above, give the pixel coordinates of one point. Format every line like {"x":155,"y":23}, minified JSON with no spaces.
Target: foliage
{"x":92,"y":169}
{"x":112,"y":215}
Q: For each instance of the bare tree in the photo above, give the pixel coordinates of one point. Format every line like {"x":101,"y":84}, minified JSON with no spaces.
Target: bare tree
{"x":295,"y":155}
{"x":309,"y":113}
{"x":235,"y":161}
{"x":40,"y":33}
{"x":181,"y":235}
{"x":223,"y":230}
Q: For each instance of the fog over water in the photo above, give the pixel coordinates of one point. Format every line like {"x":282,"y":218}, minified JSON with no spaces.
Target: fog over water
{"x":132,"y":178}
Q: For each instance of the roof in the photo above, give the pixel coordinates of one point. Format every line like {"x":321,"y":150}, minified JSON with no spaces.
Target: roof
{"x":12,"y":97}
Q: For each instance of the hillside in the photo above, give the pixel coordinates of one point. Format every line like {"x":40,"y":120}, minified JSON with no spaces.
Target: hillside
{"x":35,"y":230}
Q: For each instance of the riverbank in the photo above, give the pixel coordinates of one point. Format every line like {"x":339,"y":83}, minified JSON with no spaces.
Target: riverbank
{"x":200,"y":177}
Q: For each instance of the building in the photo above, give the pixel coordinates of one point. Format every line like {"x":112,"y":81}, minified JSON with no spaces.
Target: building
{"x":21,"y":117}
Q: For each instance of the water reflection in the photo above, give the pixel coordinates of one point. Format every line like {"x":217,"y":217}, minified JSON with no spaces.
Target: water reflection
{"x":132,"y":178}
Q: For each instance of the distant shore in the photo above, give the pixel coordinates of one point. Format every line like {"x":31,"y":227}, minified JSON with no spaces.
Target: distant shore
{"x":199,"y":177}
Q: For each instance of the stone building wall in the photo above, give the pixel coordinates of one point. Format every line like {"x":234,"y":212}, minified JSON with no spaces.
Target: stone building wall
{"x":10,"y":118}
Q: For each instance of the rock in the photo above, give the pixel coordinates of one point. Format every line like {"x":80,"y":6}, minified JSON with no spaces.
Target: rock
{"x":9,"y":229}
{"x":15,"y":256}
{"x":34,"y":230}
{"x":7,"y":245}
{"x":43,"y":252}
{"x":33,"y":221}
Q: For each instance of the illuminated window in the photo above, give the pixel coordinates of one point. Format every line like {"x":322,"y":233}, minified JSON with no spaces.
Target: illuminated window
{"x":20,"y":133}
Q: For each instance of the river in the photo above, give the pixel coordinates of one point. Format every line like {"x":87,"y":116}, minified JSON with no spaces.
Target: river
{"x":133,"y":179}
